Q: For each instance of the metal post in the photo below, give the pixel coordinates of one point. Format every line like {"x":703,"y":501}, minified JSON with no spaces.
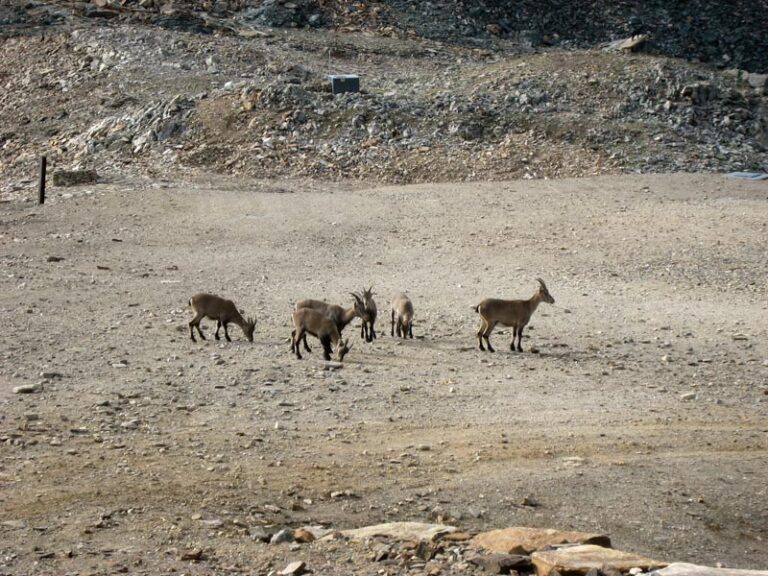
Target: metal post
{"x":41,"y":194}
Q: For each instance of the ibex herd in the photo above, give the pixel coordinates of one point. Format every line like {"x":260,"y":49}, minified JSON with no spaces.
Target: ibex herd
{"x":326,"y":321}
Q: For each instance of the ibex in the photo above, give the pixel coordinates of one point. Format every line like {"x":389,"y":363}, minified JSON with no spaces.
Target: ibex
{"x":515,"y":313}
{"x":341,"y":316}
{"x":310,"y":321}
{"x":368,"y":330}
{"x":402,"y":310}
{"x":221,"y":310}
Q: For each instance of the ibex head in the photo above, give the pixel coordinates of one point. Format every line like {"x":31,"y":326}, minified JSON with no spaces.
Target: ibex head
{"x":360,"y":308}
{"x":544,"y":293}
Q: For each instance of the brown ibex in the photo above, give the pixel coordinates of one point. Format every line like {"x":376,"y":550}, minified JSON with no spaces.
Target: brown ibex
{"x":515,"y":313}
{"x":402,"y":310}
{"x":341,"y":316}
{"x":311,"y":321}
{"x":221,"y":310}
{"x":368,"y":330}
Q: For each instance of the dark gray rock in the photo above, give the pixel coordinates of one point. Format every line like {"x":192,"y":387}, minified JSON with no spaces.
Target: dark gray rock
{"x":502,"y":563}
{"x":74,"y":177}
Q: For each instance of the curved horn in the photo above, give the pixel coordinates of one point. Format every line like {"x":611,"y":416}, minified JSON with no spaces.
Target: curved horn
{"x":356,"y":297}
{"x":540,"y":281}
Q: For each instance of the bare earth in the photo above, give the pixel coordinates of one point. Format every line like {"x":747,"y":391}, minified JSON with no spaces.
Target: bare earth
{"x":644,"y":414}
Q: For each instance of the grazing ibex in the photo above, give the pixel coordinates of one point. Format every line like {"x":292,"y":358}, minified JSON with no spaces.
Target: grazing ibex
{"x":402,"y":310}
{"x":515,"y":313}
{"x":221,"y":310}
{"x":340,"y":316}
{"x":368,"y":330}
{"x":311,"y":321}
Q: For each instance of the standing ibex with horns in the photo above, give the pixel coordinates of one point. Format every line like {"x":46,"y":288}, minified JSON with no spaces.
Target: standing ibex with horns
{"x":368,"y":330}
{"x":515,"y":313}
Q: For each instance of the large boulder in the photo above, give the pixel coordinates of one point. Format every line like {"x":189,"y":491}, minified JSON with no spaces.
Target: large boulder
{"x":684,"y":569}
{"x":520,"y":540}
{"x":578,"y":560}
{"x":402,"y":531}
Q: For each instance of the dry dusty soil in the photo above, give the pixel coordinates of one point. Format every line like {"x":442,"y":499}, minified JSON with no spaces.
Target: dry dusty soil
{"x":639,"y":408}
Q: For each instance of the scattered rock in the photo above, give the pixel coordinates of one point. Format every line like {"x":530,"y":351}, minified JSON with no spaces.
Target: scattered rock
{"x":283,"y":536}
{"x":193,"y":555}
{"x":294,"y":569}
{"x":759,"y":82}
{"x":28,"y":388}
{"x":259,"y":533}
{"x":631,"y":44}
{"x":501,"y":563}
{"x":304,"y":536}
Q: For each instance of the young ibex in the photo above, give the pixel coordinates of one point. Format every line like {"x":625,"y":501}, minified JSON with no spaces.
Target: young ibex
{"x":515,"y":313}
{"x":402,"y":310}
{"x":367,"y":330}
{"x":311,"y":321}
{"x":340,"y":316}
{"x":221,"y":310}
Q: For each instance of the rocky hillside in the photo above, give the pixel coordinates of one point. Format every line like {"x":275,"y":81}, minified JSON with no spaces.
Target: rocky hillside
{"x":450,"y":90}
{"x":730,"y":34}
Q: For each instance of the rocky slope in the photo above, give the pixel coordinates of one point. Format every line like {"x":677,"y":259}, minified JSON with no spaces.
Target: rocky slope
{"x":157,"y":88}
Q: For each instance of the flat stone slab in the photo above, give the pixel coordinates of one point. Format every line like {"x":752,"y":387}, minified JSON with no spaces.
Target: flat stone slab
{"x":404,"y":531}
{"x":576,"y":560}
{"x":685,"y":569}
{"x":521,"y":540}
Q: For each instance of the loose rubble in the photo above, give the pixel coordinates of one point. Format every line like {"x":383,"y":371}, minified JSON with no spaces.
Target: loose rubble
{"x":260,"y":105}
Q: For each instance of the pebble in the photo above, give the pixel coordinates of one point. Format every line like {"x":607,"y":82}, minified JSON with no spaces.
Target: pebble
{"x":282,"y":537}
{"x":294,"y":569}
{"x":28,"y":388}
{"x":688,"y":396}
{"x":259,"y":533}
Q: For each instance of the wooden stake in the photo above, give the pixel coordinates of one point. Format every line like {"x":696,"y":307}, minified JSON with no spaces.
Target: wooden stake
{"x":41,"y":194}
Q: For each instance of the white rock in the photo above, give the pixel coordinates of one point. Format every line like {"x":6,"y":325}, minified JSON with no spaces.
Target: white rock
{"x":27,"y":388}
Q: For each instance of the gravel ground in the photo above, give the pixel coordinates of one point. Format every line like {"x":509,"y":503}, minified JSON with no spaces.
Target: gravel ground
{"x":643,"y":415}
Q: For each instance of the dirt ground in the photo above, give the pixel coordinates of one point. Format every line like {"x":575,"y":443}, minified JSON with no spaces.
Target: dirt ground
{"x":644,"y":414}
